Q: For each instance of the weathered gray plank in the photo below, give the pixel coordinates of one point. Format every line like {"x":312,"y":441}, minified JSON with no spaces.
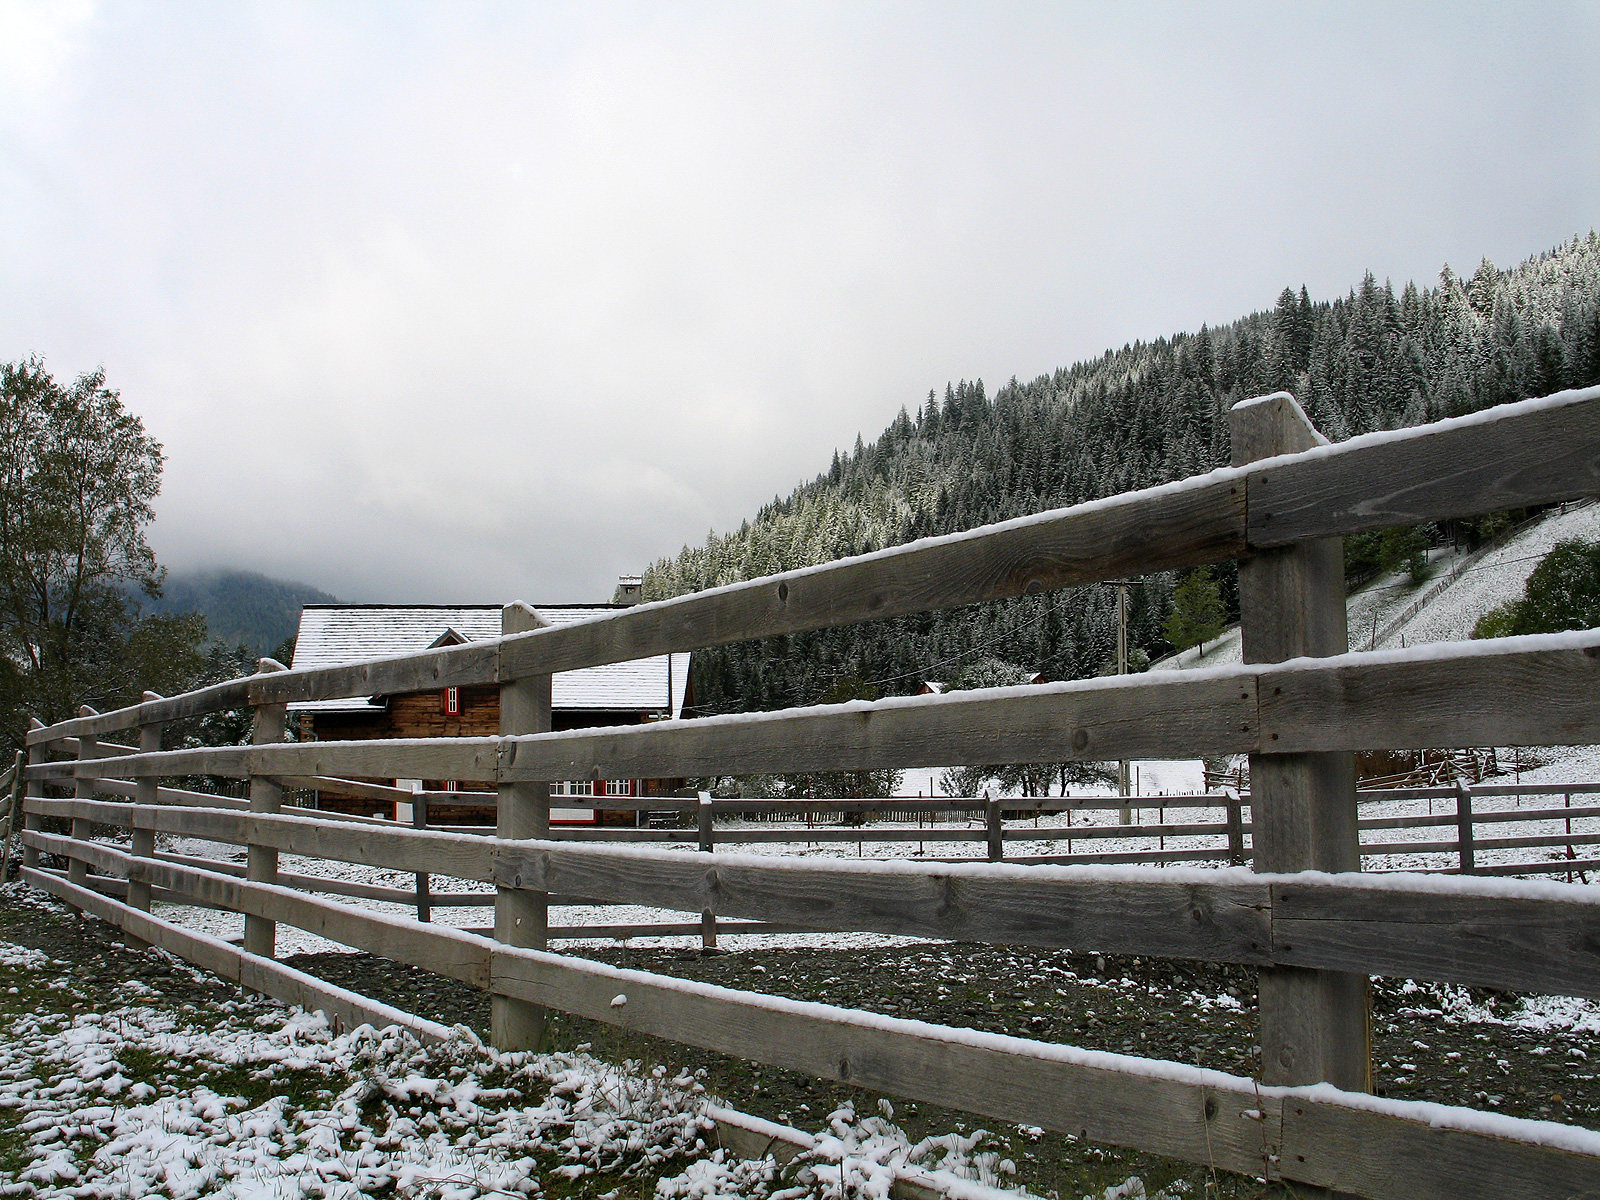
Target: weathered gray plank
{"x":1015,"y":1080}
{"x":1500,"y":692}
{"x":1532,"y":691}
{"x":1548,"y":944}
{"x":342,"y":1008}
{"x":1154,"y":530}
{"x":129,"y":787}
{"x":1551,"y":947}
{"x":1513,"y":456}
{"x":339,"y":887}
{"x":1225,"y":920}
{"x":1201,"y":1116}
{"x":463,"y":856}
{"x":145,"y":791}
{"x":1381,"y":1155}
{"x":433,"y":947}
{"x":425,"y":758}
{"x":1092,"y":719}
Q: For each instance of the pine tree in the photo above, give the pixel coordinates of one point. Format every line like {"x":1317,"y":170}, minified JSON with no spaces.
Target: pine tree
{"x":1197,"y":615}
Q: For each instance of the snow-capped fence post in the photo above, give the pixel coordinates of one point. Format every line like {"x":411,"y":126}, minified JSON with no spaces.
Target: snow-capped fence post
{"x":1464,"y":844}
{"x":266,"y":795}
{"x":708,"y":845}
{"x":83,"y":789}
{"x":521,"y":918}
{"x":1313,"y":1023}
{"x":146,"y":791}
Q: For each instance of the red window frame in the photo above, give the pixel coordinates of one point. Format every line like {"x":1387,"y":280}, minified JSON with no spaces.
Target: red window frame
{"x":452,"y":702}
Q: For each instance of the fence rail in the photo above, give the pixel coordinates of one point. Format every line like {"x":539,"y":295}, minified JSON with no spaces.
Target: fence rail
{"x":1298,"y":706}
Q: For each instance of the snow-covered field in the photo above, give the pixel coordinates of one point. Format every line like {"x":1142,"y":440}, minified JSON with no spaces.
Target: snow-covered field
{"x":140,"y":1101}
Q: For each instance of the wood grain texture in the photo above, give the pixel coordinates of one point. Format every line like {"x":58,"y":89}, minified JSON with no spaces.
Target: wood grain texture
{"x":432,"y":947}
{"x":1517,"y":456}
{"x":1483,"y":695}
{"x":1227,"y":921}
{"x":462,"y":856}
{"x":1093,"y":719}
{"x":443,"y":758}
{"x":906,"y":1058}
{"x":1313,"y":1023}
{"x":1481,"y":937}
{"x":1154,"y":530}
{"x":146,"y":791}
{"x":1228,"y":1122}
{"x":1535,"y":691}
{"x":1544,"y":946}
{"x":1374,"y":1154}
{"x":128,"y":787}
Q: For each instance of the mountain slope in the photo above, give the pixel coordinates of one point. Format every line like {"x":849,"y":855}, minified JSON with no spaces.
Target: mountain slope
{"x":241,"y":608}
{"x":1145,"y":414}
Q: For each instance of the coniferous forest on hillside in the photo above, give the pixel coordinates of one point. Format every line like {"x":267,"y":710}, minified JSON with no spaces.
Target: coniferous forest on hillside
{"x":1146,"y":414}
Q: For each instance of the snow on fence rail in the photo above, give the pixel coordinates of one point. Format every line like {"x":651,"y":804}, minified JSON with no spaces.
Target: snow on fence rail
{"x":1299,"y":706}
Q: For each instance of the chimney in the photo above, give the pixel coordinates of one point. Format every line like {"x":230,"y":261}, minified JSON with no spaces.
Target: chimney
{"x":630,"y":589}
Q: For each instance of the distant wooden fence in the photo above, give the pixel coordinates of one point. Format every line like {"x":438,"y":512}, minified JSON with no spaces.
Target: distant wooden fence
{"x":1299,"y":706}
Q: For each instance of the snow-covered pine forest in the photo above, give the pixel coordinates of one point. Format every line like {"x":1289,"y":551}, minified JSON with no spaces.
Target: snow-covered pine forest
{"x":1145,"y":414}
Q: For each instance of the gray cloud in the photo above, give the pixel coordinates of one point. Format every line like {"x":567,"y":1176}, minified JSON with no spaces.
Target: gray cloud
{"x":466,"y":303}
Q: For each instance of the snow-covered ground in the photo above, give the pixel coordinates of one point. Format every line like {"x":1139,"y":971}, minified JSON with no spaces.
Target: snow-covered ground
{"x":124,"y":1104}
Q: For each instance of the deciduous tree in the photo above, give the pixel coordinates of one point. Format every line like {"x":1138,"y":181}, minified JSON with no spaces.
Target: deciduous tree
{"x":78,"y":477}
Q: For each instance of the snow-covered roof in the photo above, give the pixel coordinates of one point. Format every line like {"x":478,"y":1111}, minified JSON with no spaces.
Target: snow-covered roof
{"x":334,"y":634}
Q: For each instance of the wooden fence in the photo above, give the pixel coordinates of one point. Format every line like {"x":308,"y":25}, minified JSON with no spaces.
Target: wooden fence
{"x":1300,"y":705}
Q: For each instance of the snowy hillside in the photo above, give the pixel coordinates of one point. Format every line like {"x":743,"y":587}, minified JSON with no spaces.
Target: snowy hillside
{"x":1461,"y":588}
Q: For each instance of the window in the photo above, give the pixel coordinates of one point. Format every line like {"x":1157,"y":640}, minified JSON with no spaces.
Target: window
{"x":452,"y":702}
{"x":619,"y":787}
{"x":572,"y":788}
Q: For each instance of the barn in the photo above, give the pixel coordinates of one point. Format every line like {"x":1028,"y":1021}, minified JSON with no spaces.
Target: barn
{"x":625,"y":693}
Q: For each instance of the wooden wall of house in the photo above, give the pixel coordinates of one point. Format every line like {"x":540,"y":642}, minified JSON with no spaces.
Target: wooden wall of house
{"x":423,"y":715}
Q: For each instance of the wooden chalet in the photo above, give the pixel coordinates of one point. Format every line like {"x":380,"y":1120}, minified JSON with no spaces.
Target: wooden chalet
{"x":624,"y":693}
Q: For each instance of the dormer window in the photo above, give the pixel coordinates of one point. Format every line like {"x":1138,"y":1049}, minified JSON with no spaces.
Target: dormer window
{"x":452,"y":702}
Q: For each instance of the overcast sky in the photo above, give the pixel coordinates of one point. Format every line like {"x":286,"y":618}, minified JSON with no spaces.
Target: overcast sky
{"x":457,"y":302}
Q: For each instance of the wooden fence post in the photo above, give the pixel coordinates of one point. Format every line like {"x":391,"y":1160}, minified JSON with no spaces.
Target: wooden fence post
{"x":708,"y":845}
{"x":521,"y":918}
{"x":19,"y":789}
{"x":1465,"y":850}
{"x":261,"y":862}
{"x":1313,"y":1024}
{"x":1235,"y":809}
{"x":993,"y":826}
{"x":82,"y":789}
{"x":36,"y":754}
{"x":419,"y":820}
{"x":145,"y":792}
